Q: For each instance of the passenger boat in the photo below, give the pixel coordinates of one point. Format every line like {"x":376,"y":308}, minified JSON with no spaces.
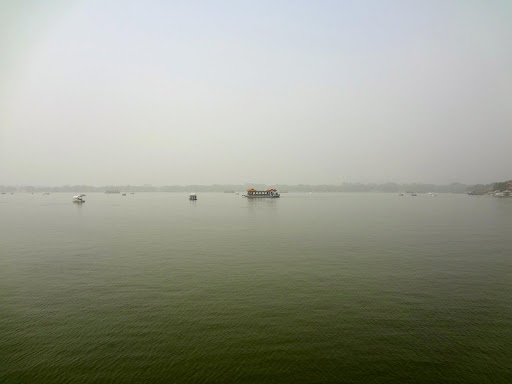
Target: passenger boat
{"x":269,"y":193}
{"x":79,"y":199}
{"x":192,"y":196}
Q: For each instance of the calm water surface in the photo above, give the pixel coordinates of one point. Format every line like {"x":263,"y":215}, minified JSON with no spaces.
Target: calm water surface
{"x":321,"y":288}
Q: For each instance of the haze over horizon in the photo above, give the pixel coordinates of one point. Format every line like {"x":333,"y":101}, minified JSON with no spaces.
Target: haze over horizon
{"x":177,"y":93}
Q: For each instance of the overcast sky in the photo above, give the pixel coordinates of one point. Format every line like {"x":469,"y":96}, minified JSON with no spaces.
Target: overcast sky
{"x":285,"y":92}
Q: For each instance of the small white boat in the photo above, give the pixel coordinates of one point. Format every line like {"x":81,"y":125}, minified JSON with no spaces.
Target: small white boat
{"x":401,"y":194}
{"x":79,"y":199}
{"x":123,"y":194}
{"x":192,"y":196}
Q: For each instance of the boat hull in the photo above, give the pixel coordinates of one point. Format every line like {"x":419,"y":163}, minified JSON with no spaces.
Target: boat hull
{"x":261,"y":197}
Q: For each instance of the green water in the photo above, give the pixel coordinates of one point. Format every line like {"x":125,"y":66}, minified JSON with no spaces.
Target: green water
{"x":321,"y":288}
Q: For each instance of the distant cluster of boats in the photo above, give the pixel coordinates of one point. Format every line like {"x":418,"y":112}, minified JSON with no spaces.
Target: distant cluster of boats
{"x":271,"y":193}
{"x":12,"y":193}
{"x":415,"y":194}
{"x":117,"y":191}
{"x":506,"y":193}
{"x":251,"y":194}
{"x":80,"y":198}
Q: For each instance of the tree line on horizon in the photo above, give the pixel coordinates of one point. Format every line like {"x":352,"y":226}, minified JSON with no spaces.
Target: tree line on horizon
{"x":344,"y":187}
{"x":498,"y":186}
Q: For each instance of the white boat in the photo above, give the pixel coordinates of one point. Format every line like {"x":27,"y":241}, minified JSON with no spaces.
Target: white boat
{"x":503,"y":194}
{"x":79,"y":199}
{"x":401,"y":194}
{"x":254,"y":194}
{"x":123,"y":194}
{"x":192,"y":196}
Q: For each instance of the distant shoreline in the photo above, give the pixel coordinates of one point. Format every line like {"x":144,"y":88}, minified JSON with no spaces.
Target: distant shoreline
{"x":229,"y":188}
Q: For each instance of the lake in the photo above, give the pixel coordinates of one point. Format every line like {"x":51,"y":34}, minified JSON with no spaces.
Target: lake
{"x":308,"y":288}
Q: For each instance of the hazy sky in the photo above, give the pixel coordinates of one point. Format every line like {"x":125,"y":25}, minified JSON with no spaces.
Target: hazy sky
{"x":184,"y":92}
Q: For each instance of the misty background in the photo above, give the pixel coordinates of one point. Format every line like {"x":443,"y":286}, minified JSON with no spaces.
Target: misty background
{"x":275,"y":92}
